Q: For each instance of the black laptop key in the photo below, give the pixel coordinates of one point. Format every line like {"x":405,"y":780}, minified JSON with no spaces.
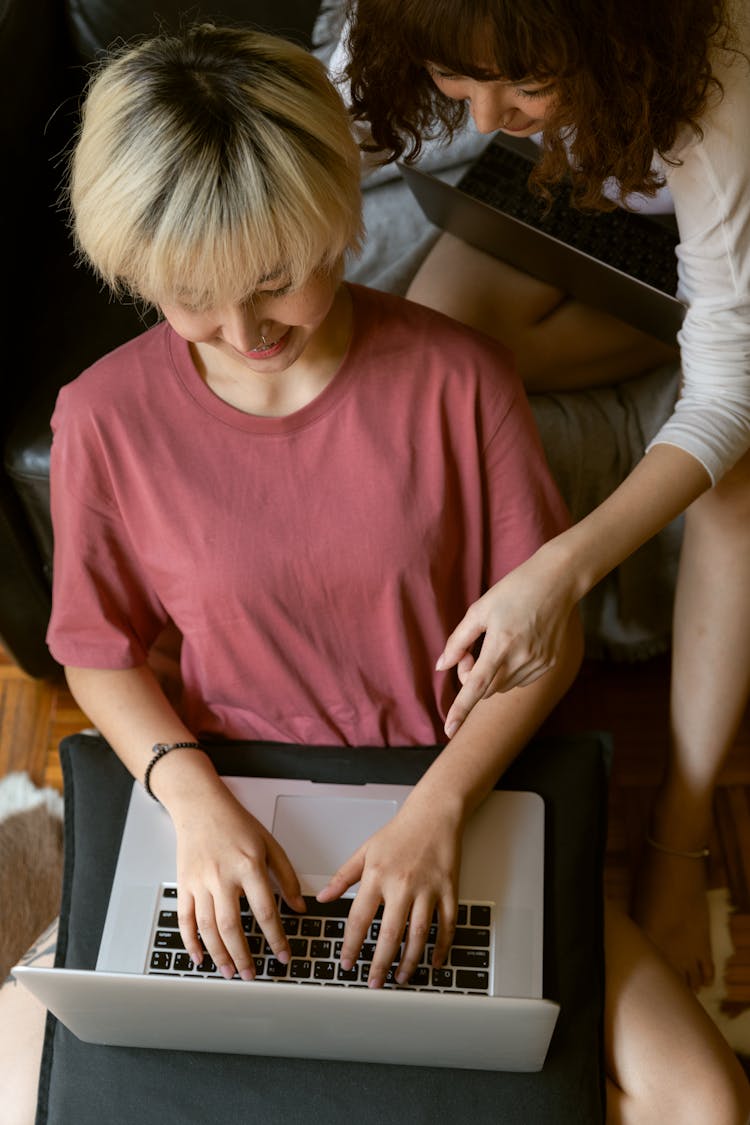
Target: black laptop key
{"x":471,"y":979}
{"x":339,"y":908}
{"x":348,"y":974}
{"x":480,"y":915}
{"x":470,"y":958}
{"x":468,"y":935}
{"x":320,"y":949}
{"x":168,"y":939}
{"x":276,"y":968}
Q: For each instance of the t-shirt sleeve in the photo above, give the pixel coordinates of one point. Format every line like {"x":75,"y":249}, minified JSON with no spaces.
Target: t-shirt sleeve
{"x":103,"y":614}
{"x":524,"y":506}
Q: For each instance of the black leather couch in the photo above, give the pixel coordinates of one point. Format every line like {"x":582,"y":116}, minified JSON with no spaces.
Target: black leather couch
{"x":57,"y":320}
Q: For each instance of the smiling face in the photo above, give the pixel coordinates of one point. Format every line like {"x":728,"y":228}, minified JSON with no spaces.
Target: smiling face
{"x":273,"y":352}
{"x":519,"y":108}
{"x":267,"y":333}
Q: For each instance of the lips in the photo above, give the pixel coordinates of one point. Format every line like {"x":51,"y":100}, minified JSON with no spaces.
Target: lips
{"x":517,"y":128}
{"x":266,"y":351}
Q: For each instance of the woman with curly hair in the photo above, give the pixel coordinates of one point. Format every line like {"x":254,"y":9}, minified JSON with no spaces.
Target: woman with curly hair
{"x":635,"y":104}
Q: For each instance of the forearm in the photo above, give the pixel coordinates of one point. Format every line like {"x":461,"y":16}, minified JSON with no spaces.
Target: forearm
{"x":495,"y":732}
{"x":130,"y":709}
{"x":663,"y":484}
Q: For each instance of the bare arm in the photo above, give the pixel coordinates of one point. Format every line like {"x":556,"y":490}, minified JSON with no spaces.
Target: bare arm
{"x":222,"y":851}
{"x":412,"y":864}
{"x":523,"y":617}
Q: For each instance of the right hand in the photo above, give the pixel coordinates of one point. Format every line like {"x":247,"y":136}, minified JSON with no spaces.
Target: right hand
{"x":223,"y":852}
{"x":523,"y":619}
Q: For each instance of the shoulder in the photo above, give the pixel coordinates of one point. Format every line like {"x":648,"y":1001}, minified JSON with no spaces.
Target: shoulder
{"x":414,"y":364}
{"x":395,"y":325}
{"x":724,"y":120}
{"x":114,"y":378}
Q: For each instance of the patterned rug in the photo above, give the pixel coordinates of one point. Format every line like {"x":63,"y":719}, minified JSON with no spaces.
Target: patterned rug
{"x":31,"y":856}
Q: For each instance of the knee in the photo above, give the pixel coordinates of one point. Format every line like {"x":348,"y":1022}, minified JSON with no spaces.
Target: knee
{"x":705,"y":1093}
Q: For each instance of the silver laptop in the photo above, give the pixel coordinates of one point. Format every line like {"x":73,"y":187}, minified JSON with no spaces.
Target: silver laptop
{"x":484,"y":1010}
{"x":618,"y":261}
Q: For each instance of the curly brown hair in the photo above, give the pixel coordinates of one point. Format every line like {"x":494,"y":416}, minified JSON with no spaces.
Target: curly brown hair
{"x":628,"y":76}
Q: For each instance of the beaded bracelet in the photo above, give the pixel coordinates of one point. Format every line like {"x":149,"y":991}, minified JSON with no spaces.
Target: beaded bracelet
{"x":699,"y":853}
{"x":159,"y":750}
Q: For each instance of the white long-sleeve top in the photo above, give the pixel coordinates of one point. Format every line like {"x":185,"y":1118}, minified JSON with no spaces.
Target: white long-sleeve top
{"x":710,"y":189}
{"x":710,"y":193}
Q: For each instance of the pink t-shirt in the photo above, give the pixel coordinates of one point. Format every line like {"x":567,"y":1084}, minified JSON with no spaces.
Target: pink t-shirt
{"x":313,"y":563}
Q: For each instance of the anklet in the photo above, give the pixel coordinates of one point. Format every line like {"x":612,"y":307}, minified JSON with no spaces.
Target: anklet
{"x":702,"y":853}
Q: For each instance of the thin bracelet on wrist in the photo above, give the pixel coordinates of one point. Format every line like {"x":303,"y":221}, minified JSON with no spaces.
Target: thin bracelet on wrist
{"x":159,"y":749}
{"x":699,"y":853}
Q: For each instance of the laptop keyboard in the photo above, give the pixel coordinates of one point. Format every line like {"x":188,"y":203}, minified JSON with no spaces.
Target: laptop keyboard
{"x":315,"y":940}
{"x":641,"y":247}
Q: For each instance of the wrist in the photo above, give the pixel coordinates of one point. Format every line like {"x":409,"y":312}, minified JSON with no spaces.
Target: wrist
{"x":158,"y":751}
{"x":568,"y":557}
{"x":177,"y":776}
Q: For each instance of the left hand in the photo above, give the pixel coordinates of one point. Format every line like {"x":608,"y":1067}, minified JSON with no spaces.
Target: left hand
{"x":411,"y":866}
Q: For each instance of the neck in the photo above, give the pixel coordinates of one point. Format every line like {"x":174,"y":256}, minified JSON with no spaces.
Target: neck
{"x":278,"y":394}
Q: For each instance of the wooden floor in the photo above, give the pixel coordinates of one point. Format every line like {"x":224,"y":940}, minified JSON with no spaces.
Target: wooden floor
{"x":630,"y":701}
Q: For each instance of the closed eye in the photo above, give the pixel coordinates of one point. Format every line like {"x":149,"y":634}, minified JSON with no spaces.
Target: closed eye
{"x":436,"y":72}
{"x":541,"y":92}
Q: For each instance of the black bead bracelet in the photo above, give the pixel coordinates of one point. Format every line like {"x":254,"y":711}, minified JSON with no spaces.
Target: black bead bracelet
{"x":159,"y":750}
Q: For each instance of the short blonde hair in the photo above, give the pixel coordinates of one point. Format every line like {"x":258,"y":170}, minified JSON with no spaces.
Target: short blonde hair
{"x":208,"y":161}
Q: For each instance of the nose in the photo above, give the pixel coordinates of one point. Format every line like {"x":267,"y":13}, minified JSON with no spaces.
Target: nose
{"x":240,"y":327}
{"x":489,"y":104}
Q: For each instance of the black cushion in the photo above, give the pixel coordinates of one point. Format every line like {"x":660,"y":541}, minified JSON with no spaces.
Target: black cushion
{"x":88,"y":1084}
{"x":96,"y":24}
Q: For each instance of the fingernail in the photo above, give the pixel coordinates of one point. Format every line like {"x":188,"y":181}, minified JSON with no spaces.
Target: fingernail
{"x":440,"y":664}
{"x":283,"y":956}
{"x":450,"y":729}
{"x":227,"y":971}
{"x":402,"y":978}
{"x":247,"y":974}
{"x":374,"y":982}
{"x":346,"y":964}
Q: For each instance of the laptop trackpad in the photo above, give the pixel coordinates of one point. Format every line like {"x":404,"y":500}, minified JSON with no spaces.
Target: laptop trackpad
{"x":320,"y":833}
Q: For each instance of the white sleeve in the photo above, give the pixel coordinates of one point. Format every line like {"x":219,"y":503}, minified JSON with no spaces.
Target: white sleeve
{"x":711,"y":193}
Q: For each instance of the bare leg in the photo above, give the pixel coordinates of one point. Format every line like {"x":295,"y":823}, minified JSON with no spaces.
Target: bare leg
{"x":710,"y":687}
{"x":559,"y":343}
{"x":22,"y":1023}
{"x":666,"y":1060}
